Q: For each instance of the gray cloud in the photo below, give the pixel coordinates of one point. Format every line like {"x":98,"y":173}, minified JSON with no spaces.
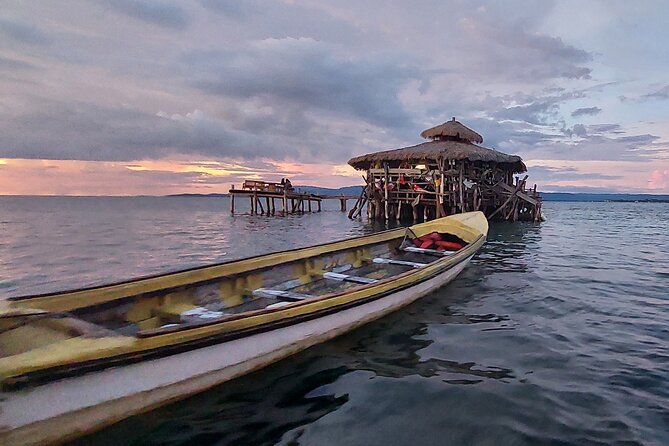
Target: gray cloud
{"x":548,"y":173}
{"x":308,"y":73}
{"x":154,"y":12}
{"x":15,"y":64}
{"x":662,"y":93}
{"x":23,"y":32}
{"x":232,"y":8}
{"x":584,"y":111}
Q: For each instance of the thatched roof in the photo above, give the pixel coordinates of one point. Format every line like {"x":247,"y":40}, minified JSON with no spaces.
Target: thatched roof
{"x":452,"y":130}
{"x":446,"y":149}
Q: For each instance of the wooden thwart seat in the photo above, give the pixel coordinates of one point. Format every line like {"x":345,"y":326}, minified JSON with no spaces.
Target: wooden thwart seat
{"x":432,"y":252}
{"x":348,"y":278}
{"x":280,"y":294}
{"x":399,"y":262}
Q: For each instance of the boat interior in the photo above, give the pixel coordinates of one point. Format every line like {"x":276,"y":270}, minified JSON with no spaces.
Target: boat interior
{"x":279,"y":284}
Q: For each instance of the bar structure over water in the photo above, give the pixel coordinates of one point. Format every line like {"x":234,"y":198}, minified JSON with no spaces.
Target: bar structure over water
{"x":447,"y":175}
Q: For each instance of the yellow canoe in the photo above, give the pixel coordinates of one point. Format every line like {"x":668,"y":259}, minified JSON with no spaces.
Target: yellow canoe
{"x":76,"y":361}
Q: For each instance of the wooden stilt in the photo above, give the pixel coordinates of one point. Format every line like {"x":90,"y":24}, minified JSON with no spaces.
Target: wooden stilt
{"x":385,"y":190}
{"x":232,"y":202}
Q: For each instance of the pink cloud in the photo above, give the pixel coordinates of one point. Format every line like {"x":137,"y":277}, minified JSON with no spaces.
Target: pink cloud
{"x":659,"y":179}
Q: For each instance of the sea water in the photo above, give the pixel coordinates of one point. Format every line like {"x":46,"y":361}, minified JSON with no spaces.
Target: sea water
{"x":556,"y":333}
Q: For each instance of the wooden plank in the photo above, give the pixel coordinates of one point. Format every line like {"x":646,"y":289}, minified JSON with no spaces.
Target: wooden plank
{"x":347,"y":278}
{"x":433,"y":252}
{"x":522,"y":195}
{"x":396,"y":171}
{"x":280,"y":294}
{"x":399,"y":262}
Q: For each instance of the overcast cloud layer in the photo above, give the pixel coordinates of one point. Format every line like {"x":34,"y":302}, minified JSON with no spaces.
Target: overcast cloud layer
{"x":319,"y":82}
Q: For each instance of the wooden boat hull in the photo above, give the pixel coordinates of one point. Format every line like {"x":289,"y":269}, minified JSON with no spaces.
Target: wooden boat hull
{"x":68,"y":408}
{"x":100,"y":392}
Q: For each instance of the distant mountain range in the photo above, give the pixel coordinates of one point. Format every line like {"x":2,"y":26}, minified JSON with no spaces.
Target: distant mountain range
{"x":547,"y":196}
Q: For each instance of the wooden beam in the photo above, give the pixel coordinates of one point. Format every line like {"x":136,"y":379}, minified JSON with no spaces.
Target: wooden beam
{"x":385,"y":189}
{"x":518,"y":186}
{"x":522,"y":195}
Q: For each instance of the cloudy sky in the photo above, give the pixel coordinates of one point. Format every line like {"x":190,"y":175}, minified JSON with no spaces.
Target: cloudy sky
{"x":117,"y":97}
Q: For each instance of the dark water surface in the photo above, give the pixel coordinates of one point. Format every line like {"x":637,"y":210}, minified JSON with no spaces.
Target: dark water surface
{"x":555,"y":334}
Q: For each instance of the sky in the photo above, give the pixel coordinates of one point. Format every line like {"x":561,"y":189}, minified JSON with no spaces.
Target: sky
{"x":127,"y":97}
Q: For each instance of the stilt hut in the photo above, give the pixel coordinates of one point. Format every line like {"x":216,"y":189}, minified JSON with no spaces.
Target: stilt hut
{"x":450,"y":173}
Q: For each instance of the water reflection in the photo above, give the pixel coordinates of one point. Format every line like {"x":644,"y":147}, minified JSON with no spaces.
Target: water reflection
{"x":555,"y":334}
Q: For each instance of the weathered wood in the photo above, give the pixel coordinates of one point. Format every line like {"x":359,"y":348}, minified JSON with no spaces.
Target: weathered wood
{"x":520,"y":183}
{"x":521,"y":194}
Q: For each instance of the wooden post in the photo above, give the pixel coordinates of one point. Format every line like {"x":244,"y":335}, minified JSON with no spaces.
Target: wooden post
{"x":262,"y":211}
{"x":440,"y":197}
{"x":309,"y":200}
{"x":253,"y":204}
{"x":319,"y":205}
{"x":232,"y":202}
{"x":461,"y":185}
{"x":285,"y":202}
{"x":371,"y":201}
{"x":385,"y":189}
{"x":269,"y":209}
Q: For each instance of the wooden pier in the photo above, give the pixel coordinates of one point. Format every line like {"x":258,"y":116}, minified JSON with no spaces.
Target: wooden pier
{"x":263,"y":197}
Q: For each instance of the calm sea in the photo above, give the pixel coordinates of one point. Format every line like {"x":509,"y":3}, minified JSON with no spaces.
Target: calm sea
{"x":557,"y":333}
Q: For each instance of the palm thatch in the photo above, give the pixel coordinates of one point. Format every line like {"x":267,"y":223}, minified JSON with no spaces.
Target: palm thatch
{"x":453,"y":130}
{"x":444,"y":149}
